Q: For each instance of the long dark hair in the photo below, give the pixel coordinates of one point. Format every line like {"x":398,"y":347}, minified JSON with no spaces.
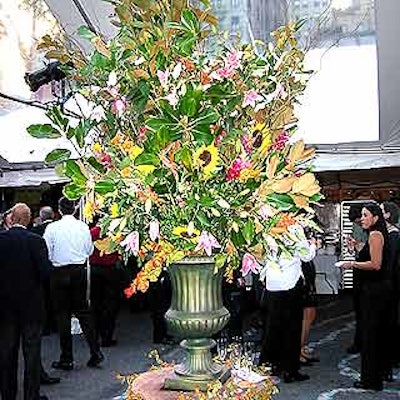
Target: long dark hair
{"x":380,"y":224}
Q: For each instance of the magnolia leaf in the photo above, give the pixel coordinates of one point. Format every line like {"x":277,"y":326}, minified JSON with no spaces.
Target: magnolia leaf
{"x":220,"y":260}
{"x":202,"y":218}
{"x":101,"y":47}
{"x":282,"y":202}
{"x":296,"y":152}
{"x":74,"y":191}
{"x":86,"y":33}
{"x":272,"y":166}
{"x":43,"y":131}
{"x":283,"y":185}
{"x":73,"y":171}
{"x":96,"y":165}
{"x":185,"y":156}
{"x":306,"y":185}
{"x":147,"y":159}
{"x":248,"y":231}
{"x":307,"y":154}
{"x":58,"y":155}
{"x":103,"y":187}
{"x":300,"y":201}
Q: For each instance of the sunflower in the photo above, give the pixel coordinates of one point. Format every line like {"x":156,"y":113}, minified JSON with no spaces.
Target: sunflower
{"x":183,"y":232}
{"x":206,"y":157}
{"x":261,"y":138}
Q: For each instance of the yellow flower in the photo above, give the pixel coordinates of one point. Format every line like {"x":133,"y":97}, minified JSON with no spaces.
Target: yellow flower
{"x":117,"y":140}
{"x":261,"y":138}
{"x":99,"y":201}
{"x":182,"y":231}
{"x":88,"y":210}
{"x":114,"y":210}
{"x":145,"y":169}
{"x":96,"y":147}
{"x":206,"y":158}
{"x":127,"y":145}
{"x":126,"y":172}
{"x":135,"y":151}
{"x":248,"y":173}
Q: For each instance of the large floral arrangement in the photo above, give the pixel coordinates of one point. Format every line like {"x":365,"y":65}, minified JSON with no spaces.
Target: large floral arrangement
{"x":186,"y":140}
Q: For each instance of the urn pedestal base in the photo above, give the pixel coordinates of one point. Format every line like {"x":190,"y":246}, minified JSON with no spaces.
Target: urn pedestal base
{"x":198,"y":370}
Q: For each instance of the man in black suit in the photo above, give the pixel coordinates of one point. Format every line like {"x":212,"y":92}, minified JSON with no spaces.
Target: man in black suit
{"x":46,"y":215}
{"x":23,"y":265}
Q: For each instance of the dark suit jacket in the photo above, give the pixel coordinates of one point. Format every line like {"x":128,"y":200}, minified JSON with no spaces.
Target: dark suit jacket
{"x":39,"y":229}
{"x":24,"y":264}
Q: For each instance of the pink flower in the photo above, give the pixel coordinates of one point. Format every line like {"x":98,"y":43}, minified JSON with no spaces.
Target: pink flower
{"x":172,"y":98}
{"x":224,"y":72}
{"x":247,"y":143}
{"x":154,"y":230}
{"x":181,"y":202}
{"x":142,"y":134}
{"x":233,"y":60}
{"x":249,"y":264}
{"x":106,"y":160}
{"x":265,"y":212}
{"x":207,"y":242}
{"x":163,"y":77}
{"x":131,"y":242}
{"x":281,"y":141}
{"x":250,"y":98}
{"x":118,"y":106}
{"x":236,"y":167}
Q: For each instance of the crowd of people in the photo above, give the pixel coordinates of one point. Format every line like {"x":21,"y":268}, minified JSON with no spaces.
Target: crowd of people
{"x":46,"y":273}
{"x":65,"y":275}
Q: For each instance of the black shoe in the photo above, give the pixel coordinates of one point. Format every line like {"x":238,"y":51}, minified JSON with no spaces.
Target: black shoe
{"x":49,"y":380}
{"x":43,"y":397}
{"x":353,"y":349}
{"x":109,"y":343}
{"x":95,"y":360}
{"x":295,"y":377}
{"x":64,"y":365}
{"x":367,"y":386}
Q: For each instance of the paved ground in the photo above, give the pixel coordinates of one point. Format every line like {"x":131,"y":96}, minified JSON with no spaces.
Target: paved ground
{"x":332,"y":378}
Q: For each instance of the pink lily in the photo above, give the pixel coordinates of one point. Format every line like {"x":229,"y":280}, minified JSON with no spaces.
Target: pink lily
{"x":249,"y":264}
{"x":224,"y":72}
{"x":233,"y":60}
{"x":131,"y":242}
{"x":163,"y":77}
{"x":250,"y":98}
{"x":154,"y":230}
{"x":207,"y":242}
{"x":118,"y":106}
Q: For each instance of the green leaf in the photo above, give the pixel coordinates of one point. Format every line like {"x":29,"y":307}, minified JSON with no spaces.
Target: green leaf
{"x":58,"y":155}
{"x":220,"y":260}
{"x":74,"y":191}
{"x":185,"y":156}
{"x":206,"y":201}
{"x":163,"y":137}
{"x":190,"y":21}
{"x":147,"y":159}
{"x":96,"y":165}
{"x":237,"y":239}
{"x":248,"y":231}
{"x":282,"y":202}
{"x":202,"y":218}
{"x":203,"y":135}
{"x":56,"y":116}
{"x":86,"y":33}
{"x":43,"y":131}
{"x":73,"y":171}
{"x":156,"y":123}
{"x":103,"y":187}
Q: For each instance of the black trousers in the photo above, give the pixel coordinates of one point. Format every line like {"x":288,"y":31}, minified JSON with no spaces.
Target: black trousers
{"x":375,"y":302}
{"x":282,"y":335}
{"x":106,"y":293}
{"x":68,"y":289}
{"x":12,"y":333}
{"x":357,"y":312}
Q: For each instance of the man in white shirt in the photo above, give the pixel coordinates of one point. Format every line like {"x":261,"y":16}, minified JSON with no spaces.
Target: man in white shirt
{"x":284,"y":289}
{"x":70,"y":244}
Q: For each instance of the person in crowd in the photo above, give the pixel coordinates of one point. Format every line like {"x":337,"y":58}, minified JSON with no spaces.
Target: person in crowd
{"x":281,"y":343}
{"x":5,"y":221}
{"x":46,"y":216}
{"x":70,"y":244}
{"x":391,"y":213}
{"x":375,"y":293}
{"x":24,"y":265}
{"x":356,"y":243}
{"x":106,"y":290}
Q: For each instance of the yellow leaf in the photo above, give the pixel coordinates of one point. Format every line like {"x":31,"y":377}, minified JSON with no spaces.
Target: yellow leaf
{"x":283,"y":185}
{"x":147,"y":205}
{"x":272,"y":166}
{"x":300,"y":201}
{"x":258,"y":226}
{"x":101,"y":47}
{"x":140,"y":73}
{"x":257,"y":251}
{"x":104,"y":245}
{"x":264,"y":189}
{"x":306,"y":185}
{"x":296,"y":152}
{"x":307,"y":154}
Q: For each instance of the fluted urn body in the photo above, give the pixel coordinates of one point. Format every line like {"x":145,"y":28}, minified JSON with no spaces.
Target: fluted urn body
{"x":196,"y":314}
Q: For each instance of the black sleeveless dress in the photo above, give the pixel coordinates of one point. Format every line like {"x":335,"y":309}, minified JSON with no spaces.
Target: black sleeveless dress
{"x":375,"y":308}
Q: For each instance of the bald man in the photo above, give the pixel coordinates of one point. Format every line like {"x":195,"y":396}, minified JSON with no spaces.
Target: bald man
{"x":23,"y":266}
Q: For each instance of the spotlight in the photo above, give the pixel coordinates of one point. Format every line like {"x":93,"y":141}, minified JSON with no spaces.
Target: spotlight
{"x":51,"y":72}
